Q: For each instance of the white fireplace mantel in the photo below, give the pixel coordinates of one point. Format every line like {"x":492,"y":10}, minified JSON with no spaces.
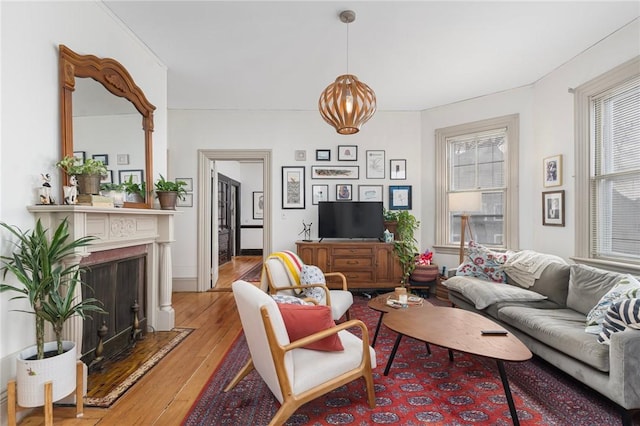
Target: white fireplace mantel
{"x":124,"y":227}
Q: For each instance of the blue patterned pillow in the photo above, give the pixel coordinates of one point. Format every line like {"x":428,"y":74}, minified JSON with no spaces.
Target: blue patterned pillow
{"x":310,"y":274}
{"x":620,"y":316}
{"x":289,"y":300}
{"x":480,"y":262}
{"x":626,"y":288}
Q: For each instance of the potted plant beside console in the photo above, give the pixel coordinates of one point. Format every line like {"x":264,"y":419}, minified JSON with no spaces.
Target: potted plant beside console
{"x":88,"y":173}
{"x":48,"y":284}
{"x":405,"y":245}
{"x":168,"y":192}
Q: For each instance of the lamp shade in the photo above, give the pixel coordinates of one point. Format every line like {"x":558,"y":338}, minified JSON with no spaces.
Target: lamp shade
{"x":465,"y":202}
{"x":347,"y":104}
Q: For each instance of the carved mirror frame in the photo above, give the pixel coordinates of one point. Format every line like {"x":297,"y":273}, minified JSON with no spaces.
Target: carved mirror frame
{"x":117,"y":80}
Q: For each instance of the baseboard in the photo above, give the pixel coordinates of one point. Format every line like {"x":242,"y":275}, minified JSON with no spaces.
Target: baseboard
{"x":185,"y":284}
{"x":250,"y":252}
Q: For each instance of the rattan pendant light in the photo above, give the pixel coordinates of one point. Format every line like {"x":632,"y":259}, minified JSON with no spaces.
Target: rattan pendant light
{"x":347,"y":103}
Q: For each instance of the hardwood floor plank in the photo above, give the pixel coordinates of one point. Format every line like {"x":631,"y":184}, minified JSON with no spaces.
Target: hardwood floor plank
{"x":166,"y":393}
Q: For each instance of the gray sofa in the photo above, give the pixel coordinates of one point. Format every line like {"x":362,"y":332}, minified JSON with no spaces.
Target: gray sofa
{"x":550,"y":317}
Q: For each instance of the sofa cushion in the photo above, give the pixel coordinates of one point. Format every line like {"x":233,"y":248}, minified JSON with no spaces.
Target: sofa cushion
{"x":626,"y":288}
{"x":480,"y":262}
{"x":562,"y":329}
{"x":484,"y":293}
{"x":587,"y":285}
{"x":553,"y":283}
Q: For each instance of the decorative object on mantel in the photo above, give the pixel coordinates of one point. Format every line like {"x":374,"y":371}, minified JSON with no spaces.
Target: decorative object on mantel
{"x":45,"y":190}
{"x":347,"y":103}
{"x":71,"y":191}
{"x":50,"y":283}
{"x":135,"y":191}
{"x":115,"y":191}
{"x":168,"y":192}
{"x":88,"y":173}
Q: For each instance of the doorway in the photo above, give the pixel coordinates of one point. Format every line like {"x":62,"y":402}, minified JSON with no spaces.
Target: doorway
{"x":207,"y":239}
{"x":228,"y":202}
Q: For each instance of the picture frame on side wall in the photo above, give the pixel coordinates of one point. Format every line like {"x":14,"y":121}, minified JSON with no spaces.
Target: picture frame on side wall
{"x":323,"y":155}
{"x":398,"y":169}
{"x":137,"y":175}
{"x":335,"y":172}
{"x":185,"y":201}
{"x":400,"y":197}
{"x":293,"y":187}
{"x":552,"y":169}
{"x":553,"y":208}
{"x":369,"y":192}
{"x":258,"y":205}
{"x":347,"y":152}
{"x":189,"y":183}
{"x":101,"y":157}
{"x":344,"y":192}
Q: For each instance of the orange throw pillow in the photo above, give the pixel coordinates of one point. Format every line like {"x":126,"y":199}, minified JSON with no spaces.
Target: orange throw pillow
{"x":304,"y":320}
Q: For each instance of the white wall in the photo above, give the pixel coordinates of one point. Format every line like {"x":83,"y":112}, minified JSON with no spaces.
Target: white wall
{"x":284,"y":132}
{"x":30,"y":138}
{"x":546,"y":129}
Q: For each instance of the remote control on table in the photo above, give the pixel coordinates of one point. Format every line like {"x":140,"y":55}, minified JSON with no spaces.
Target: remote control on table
{"x":494,"y":332}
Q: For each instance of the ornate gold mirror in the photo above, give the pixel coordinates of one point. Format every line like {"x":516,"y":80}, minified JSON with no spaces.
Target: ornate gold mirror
{"x":102,"y":122}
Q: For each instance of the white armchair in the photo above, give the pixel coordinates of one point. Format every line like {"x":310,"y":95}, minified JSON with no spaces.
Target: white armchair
{"x":278,"y":278}
{"x":296,"y":375}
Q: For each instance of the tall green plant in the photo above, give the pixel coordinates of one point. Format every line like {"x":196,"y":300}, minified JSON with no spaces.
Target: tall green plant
{"x":37,"y":264}
{"x":405,"y":247}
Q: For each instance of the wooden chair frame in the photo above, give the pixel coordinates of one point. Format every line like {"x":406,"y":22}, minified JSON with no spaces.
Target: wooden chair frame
{"x":292,"y":402}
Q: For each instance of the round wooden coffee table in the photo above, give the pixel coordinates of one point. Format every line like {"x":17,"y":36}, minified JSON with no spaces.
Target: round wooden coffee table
{"x":459,"y":330}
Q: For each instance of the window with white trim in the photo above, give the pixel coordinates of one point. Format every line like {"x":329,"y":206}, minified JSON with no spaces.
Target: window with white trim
{"x":479,"y":157}
{"x":608,"y":136}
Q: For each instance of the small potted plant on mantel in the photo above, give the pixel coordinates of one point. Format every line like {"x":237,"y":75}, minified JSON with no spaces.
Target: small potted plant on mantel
{"x":136,"y":192}
{"x":168,"y":192}
{"x":88,"y":173}
{"x":48,"y":284}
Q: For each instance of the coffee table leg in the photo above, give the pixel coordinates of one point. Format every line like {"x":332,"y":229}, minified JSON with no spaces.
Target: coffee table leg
{"x":507,"y":392}
{"x":450,"y":355}
{"x":393,"y":354}
{"x":375,"y":336}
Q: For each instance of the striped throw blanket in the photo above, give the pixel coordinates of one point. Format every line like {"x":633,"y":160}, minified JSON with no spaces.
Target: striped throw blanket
{"x":292,"y":264}
{"x":620,"y":315}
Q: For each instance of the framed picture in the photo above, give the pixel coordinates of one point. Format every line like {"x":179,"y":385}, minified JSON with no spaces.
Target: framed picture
{"x":187,"y":200}
{"x":101,"y":157}
{"x":108,"y":178}
{"x":188,"y":181}
{"x":553,"y":208}
{"x":122,"y":159}
{"x":82,"y":155}
{"x":343,"y":192}
{"x":347,"y":152}
{"x":369,"y":192}
{"x":319,"y":193}
{"x":553,"y":171}
{"x":136,"y":176}
{"x":335,"y":172}
{"x":400,"y":197}
{"x":258,"y":205}
{"x":323,"y":155}
{"x":398,"y":169}
{"x":375,"y":164}
{"x":292,"y":187}
{"x":300,"y":155}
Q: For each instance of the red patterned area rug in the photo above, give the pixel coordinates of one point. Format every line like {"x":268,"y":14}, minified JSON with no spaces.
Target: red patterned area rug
{"x":420,"y":389}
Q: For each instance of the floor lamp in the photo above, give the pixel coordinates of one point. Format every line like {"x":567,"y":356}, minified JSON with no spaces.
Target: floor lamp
{"x":465,"y":202}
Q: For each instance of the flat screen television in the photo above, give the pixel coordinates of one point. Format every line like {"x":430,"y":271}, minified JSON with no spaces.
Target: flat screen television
{"x":350,"y":219}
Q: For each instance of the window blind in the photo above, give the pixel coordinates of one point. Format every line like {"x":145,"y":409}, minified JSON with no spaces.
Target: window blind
{"x":615,"y":174}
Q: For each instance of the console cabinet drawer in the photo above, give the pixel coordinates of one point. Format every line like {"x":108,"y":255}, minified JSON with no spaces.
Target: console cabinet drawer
{"x":352,"y":251}
{"x":348,"y":263}
{"x":358,"y":276}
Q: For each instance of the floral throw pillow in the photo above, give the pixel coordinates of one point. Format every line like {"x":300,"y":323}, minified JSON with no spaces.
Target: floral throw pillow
{"x":627,"y":288}
{"x":483,"y":263}
{"x":310,"y":274}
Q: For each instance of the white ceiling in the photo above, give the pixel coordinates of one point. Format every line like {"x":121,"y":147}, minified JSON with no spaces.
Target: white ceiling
{"x":415,"y":55}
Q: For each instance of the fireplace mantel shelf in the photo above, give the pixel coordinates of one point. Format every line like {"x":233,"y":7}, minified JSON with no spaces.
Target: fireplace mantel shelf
{"x":118,"y":228}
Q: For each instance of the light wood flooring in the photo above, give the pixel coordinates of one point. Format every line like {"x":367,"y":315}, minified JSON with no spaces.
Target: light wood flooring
{"x":165,"y":394}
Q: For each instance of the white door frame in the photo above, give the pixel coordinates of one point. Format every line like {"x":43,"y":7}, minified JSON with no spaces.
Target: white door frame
{"x":207,"y":264}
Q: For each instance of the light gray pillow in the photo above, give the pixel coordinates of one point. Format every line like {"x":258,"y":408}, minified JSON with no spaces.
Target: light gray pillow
{"x":553,"y":283}
{"x":485,"y":293}
{"x":587,"y":285}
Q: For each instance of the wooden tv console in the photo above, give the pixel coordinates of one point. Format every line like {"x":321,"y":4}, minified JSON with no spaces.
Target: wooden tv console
{"x":366,"y":264}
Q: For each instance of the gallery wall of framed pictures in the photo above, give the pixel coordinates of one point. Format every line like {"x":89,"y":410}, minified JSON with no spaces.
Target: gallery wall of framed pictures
{"x":344,"y":173}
